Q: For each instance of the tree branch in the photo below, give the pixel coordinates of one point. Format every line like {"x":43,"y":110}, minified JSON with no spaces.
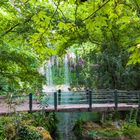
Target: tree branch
{"x":100,"y":7}
{"x":76,"y":11}
{"x":49,"y":22}
{"x":13,"y":27}
{"x":60,"y":11}
{"x":6,"y":32}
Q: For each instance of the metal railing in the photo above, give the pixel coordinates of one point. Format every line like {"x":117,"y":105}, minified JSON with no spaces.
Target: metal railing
{"x":87,"y":97}
{"x":92,"y":97}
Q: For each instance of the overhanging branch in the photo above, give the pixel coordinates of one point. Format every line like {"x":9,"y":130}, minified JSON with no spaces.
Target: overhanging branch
{"x":100,"y":7}
{"x":57,"y":6}
{"x":13,"y":27}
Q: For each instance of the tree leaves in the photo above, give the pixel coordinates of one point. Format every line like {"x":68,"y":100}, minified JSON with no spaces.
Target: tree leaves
{"x":27,"y":27}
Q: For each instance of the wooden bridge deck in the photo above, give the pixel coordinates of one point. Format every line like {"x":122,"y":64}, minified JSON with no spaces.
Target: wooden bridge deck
{"x":67,"y":108}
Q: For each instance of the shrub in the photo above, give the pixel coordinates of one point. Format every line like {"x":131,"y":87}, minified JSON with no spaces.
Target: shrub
{"x":131,"y":130}
{"x":7,"y":128}
{"x":10,"y":131}
{"x":24,"y":126}
{"x":28,"y":133}
{"x":44,"y":133}
{"x":78,"y":127}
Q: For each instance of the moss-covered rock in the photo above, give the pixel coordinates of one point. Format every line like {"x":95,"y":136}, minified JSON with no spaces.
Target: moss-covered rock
{"x":46,"y":135}
{"x":10,"y":131}
{"x":25,"y":127}
{"x":107,"y":131}
{"x":91,"y":125}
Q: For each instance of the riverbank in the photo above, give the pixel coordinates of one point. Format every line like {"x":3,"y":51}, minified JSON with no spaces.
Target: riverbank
{"x":109,"y":128}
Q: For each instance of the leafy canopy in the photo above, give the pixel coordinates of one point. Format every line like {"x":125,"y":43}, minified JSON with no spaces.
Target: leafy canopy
{"x":33,"y":30}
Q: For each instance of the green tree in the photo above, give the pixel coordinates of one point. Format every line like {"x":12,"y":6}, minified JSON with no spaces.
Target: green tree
{"x":28,"y":27}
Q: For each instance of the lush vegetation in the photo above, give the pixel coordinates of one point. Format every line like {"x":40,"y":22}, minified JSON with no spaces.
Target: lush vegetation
{"x":34,"y":126}
{"x":104,"y":35}
{"x":105,"y":31}
{"x":113,"y":127}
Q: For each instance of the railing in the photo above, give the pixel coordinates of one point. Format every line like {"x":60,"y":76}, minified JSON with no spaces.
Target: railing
{"x":88,"y":98}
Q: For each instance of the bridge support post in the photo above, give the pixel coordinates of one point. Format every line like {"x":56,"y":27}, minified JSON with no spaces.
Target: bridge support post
{"x":90,"y":99}
{"x":30,"y":102}
{"x":116,"y":99}
{"x":55,"y":101}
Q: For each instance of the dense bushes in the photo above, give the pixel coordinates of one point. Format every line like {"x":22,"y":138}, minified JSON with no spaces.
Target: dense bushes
{"x":35,"y":126}
{"x":28,"y":133}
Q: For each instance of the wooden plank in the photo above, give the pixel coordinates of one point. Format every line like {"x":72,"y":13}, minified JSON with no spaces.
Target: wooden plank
{"x":68,"y":108}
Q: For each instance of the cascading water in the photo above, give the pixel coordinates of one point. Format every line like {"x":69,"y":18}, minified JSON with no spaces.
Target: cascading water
{"x":67,"y":120}
{"x":66,"y":71}
{"x":65,"y":125}
{"x":66,"y":74}
{"x":57,"y":62}
{"x":49,"y":73}
{"x":49,"y":87}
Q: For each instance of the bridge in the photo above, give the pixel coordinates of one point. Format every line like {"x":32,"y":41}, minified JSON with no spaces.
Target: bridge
{"x":95,"y":100}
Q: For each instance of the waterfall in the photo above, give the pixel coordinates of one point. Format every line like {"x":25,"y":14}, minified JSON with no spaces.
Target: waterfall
{"x":66,"y":74}
{"x":57,"y":62}
{"x":51,"y":67}
{"x":66,"y":71}
{"x":49,"y":73}
{"x":49,"y":87}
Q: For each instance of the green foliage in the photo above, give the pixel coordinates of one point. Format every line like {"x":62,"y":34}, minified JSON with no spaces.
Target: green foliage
{"x":131,"y":130}
{"x":3,"y":127}
{"x":39,"y":119}
{"x":132,"y":116}
{"x":10,"y":131}
{"x":18,"y":70}
{"x":28,"y":132}
{"x":106,"y":67}
{"x":109,"y":134}
{"x":108,"y":29}
{"x":108,"y":129}
{"x":78,"y":128}
{"x":102,"y":133}
{"x":92,"y":134}
{"x":24,"y":126}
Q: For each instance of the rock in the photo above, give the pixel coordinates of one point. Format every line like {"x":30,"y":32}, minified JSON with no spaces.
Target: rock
{"x":91,"y":126}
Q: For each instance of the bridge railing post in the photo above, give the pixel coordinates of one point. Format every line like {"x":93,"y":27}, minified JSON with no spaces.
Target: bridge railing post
{"x":87,"y":95}
{"x":116,"y":99}
{"x":55,"y":101}
{"x":90,"y":99}
{"x":30,"y":102}
{"x":59,"y":96}
{"x":138,"y":101}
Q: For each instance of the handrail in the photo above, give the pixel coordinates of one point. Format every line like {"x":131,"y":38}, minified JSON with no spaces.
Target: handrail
{"x":89,"y":98}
